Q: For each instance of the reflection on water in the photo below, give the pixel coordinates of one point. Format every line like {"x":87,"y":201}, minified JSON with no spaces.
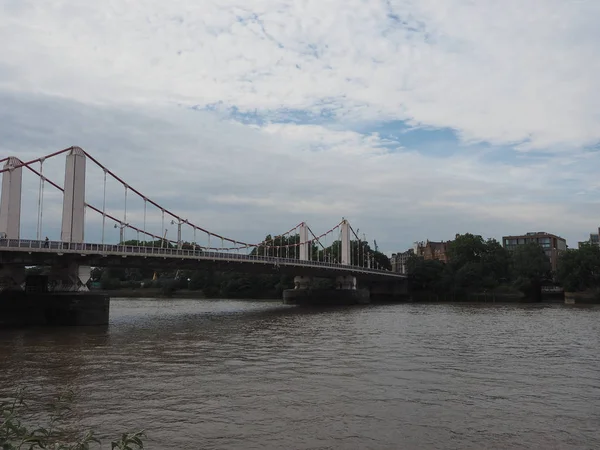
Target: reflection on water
{"x":252,"y":375}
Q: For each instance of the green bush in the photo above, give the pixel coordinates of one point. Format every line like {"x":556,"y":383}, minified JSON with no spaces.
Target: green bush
{"x":17,"y":434}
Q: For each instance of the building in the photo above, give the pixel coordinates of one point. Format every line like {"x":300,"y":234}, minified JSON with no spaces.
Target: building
{"x":594,"y":239}
{"x":553,"y":245}
{"x":399,"y":261}
{"x":432,"y":250}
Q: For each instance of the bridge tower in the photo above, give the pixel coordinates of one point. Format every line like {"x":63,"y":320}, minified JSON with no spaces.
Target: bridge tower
{"x":10,"y":219}
{"x":303,"y":282}
{"x":10,"y":202}
{"x":345,"y":281}
{"x":74,"y":198}
{"x":304,"y":244}
{"x":345,"y":232}
{"x":74,"y":277}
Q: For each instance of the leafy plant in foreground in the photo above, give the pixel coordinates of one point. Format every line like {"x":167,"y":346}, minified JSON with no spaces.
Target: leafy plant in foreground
{"x":16,"y":434}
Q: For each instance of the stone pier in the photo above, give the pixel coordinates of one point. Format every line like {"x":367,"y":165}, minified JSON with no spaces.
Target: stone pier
{"x":325,"y":297}
{"x":24,"y":309}
{"x":345,"y":293}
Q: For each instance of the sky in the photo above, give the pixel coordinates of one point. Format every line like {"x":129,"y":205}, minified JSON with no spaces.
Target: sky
{"x":413,"y":119}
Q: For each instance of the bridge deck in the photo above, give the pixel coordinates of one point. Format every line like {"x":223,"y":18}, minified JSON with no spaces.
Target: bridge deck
{"x":130,"y":256}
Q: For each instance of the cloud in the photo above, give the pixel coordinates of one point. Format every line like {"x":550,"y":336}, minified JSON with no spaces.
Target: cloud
{"x":494,"y":72}
{"x":249,"y":117}
{"x":245,"y":181}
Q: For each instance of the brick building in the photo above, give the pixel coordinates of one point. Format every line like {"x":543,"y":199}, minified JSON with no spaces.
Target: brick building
{"x":432,"y":250}
{"x":553,"y":245}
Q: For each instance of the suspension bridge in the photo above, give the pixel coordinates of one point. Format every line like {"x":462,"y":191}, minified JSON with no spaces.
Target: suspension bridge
{"x":337,"y":253}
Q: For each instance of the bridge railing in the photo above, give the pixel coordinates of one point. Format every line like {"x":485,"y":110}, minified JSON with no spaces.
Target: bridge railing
{"x":195,"y":253}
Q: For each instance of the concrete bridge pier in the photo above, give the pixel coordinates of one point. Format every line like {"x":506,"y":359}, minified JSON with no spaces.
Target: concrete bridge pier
{"x":36,"y":306}
{"x":28,"y":309}
{"x":345,"y":282}
{"x":344,"y":293}
{"x":70,"y":278}
{"x":302,"y":282}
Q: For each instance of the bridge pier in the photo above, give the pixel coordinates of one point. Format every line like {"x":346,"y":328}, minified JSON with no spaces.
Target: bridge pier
{"x":345,"y":282}
{"x":24,"y":309}
{"x":302,"y":282}
{"x":344,"y":293}
{"x":70,"y":278}
{"x":74,"y":277}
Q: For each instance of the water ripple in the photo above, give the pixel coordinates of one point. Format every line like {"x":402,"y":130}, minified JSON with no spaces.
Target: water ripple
{"x":249,"y":375}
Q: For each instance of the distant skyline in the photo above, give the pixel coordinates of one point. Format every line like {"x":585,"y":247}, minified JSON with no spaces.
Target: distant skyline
{"x":414,"y":119}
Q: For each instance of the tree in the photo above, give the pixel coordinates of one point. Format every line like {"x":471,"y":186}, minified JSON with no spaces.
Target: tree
{"x":579,"y":270}
{"x":476,"y":264}
{"x":361,"y":253}
{"x":530,"y":266}
{"x":529,"y":261}
{"x":496,"y":261}
{"x":466,"y":248}
{"x":425,"y":275}
{"x":281,"y":247}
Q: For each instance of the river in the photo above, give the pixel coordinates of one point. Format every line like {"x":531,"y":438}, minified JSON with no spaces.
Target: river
{"x":259,"y":375}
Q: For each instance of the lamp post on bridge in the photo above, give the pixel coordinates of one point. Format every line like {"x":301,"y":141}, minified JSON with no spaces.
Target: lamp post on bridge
{"x":179,"y":222}
{"x":121,"y":226}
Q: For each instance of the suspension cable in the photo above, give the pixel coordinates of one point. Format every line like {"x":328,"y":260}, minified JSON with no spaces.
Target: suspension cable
{"x":161,"y":236}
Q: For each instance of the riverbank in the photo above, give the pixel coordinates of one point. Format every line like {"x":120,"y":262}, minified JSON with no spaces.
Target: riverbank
{"x":416,"y":297}
{"x":590,"y":297}
{"x":503,"y":296}
{"x":178,"y":294}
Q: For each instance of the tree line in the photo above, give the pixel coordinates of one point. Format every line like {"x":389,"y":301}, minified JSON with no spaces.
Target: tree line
{"x":478,"y":265}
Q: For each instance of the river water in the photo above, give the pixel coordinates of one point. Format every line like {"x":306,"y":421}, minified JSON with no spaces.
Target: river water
{"x":259,"y":375}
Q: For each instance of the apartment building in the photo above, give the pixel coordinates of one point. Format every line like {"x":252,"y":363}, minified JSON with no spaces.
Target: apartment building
{"x":399,"y":261}
{"x":594,"y":239}
{"x":552,"y":244}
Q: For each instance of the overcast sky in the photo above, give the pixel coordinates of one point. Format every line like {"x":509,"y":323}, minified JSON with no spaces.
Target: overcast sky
{"x":414,"y":119}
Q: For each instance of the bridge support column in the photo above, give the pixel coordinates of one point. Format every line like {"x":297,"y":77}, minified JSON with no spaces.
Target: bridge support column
{"x":302,"y":282}
{"x":345,"y":228}
{"x":346,"y":293}
{"x":74,"y":277}
{"x":10,"y":201}
{"x":345,"y":282}
{"x":71,"y":278}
